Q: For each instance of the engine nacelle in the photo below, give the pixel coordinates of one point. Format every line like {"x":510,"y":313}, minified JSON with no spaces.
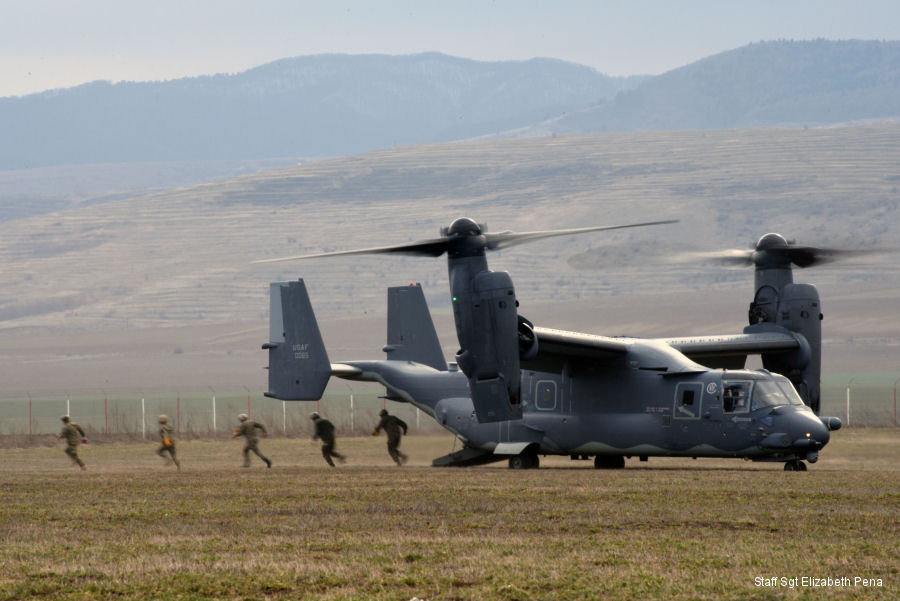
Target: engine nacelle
{"x":490,"y":357}
{"x":797,"y":308}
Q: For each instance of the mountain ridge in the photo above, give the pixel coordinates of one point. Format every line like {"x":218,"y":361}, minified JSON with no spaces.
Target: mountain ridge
{"x":764,"y":84}
{"x":326,"y":105}
{"x":340,"y":105}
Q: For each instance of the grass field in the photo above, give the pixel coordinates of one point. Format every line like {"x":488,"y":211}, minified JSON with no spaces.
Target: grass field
{"x":132,"y":528}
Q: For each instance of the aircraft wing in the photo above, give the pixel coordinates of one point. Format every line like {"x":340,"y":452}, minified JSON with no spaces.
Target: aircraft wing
{"x":562,"y":343}
{"x":727,"y":351}
{"x":730,"y":351}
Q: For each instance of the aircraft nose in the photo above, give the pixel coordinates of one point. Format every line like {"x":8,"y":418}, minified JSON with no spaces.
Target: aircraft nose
{"x":810,"y":431}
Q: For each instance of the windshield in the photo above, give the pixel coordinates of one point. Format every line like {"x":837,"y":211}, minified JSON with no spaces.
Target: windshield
{"x":768,"y":394}
{"x":789,"y":391}
{"x":774,"y":393}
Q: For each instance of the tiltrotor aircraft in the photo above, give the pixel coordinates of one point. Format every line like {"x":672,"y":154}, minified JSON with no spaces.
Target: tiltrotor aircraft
{"x":517,"y":391}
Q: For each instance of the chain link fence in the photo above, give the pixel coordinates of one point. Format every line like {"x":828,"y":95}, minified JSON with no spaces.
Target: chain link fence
{"x":114,"y":415}
{"x":119,"y":415}
{"x":866,"y":401}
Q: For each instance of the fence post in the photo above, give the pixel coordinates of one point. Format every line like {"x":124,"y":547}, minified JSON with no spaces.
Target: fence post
{"x":895,"y":401}
{"x":848,"y":399}
{"x":352,"y":408}
{"x":30,"y":431}
{"x":214,"y":409}
{"x":143,"y":419}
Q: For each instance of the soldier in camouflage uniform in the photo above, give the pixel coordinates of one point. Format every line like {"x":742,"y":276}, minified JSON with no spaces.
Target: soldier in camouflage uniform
{"x":393,"y":426}
{"x":247,"y":429}
{"x":325,"y":432}
{"x":73,"y":434}
{"x":168,"y":442}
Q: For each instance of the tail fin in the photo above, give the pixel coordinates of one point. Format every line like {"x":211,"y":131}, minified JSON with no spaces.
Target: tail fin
{"x":299,"y":367}
{"x":410,"y":330}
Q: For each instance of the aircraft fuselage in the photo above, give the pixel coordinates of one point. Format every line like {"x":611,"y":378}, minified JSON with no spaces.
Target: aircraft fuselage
{"x":585,"y":410}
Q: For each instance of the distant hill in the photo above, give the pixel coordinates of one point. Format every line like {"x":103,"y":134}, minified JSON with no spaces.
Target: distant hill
{"x":770,"y":83}
{"x":28,"y":192}
{"x":159,"y":291}
{"x":313,"y":106}
{"x":339,"y":105}
{"x":183,"y":256}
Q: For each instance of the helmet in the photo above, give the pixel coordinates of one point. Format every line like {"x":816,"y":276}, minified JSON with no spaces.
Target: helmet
{"x":314,"y":415}
{"x":65,"y":419}
{"x":242,"y":417}
{"x":163,"y":418}
{"x":383,"y":412}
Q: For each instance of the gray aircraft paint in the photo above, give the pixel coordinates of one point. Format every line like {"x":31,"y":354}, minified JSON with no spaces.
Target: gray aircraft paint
{"x":521,"y":391}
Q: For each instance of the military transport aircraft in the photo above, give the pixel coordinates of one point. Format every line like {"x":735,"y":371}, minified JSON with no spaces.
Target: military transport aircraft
{"x":516,"y":391}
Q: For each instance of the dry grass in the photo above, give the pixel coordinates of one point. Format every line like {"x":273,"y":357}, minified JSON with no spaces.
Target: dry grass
{"x":132,"y":528}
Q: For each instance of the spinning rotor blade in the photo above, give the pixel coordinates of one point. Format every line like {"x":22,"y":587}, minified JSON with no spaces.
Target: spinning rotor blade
{"x":424,"y":248}
{"x":466,"y":231}
{"x":728,"y":257}
{"x":773,"y":250}
{"x":507,"y":239}
{"x":807,"y":256}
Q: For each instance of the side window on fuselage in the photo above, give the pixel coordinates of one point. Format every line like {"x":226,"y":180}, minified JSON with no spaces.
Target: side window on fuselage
{"x":688,"y":398}
{"x":736,"y":397}
{"x":545,"y":395}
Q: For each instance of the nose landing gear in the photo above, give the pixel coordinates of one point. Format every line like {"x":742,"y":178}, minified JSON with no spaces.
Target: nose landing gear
{"x":794,"y":465}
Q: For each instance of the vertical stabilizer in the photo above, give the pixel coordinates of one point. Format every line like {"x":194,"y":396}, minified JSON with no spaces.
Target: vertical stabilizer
{"x":411,"y":335}
{"x":299,"y":368}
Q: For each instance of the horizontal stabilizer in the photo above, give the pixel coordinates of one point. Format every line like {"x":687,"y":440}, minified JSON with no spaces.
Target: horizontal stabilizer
{"x":299,"y":368}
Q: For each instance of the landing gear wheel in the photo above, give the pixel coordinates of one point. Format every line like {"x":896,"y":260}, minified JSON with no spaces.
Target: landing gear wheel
{"x":525,"y":461}
{"x":608,"y":462}
{"x":794,"y":465}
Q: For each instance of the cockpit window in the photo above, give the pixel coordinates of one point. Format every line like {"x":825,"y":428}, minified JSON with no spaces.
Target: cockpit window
{"x":775,"y":393}
{"x":735,"y":396}
{"x":789,"y":391}
{"x":768,"y":394}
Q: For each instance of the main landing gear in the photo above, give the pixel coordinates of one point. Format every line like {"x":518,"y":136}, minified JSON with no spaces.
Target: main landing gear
{"x":609,"y":462}
{"x":794,"y":465}
{"x":524,"y":461}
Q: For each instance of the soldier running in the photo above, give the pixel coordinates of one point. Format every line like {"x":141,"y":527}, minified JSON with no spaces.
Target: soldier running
{"x":392,"y":425}
{"x":325,"y":432}
{"x":168,"y":442}
{"x":74,"y":435}
{"x":247,"y":429}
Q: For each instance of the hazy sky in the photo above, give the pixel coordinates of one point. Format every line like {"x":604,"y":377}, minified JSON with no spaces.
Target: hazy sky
{"x":48,"y":44}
